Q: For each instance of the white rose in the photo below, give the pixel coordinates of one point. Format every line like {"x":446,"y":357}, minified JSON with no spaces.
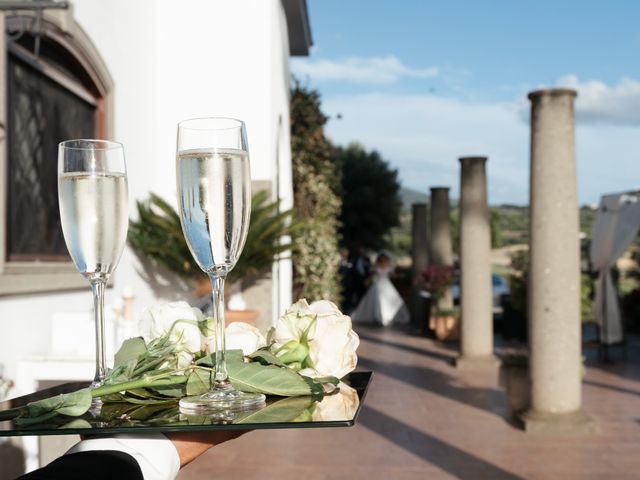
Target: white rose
{"x":159,"y":320}
{"x":327,"y":334}
{"x":245,"y":337}
{"x":339,"y":406}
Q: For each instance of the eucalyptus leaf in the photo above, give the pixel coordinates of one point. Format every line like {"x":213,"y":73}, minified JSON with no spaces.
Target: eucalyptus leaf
{"x":24,"y":421}
{"x":73,"y":404}
{"x":199,"y":382}
{"x":271,"y":380}
{"x":131,"y":349}
{"x":120,"y":374}
{"x":76,"y":423}
{"x":283,"y":410}
{"x":267,"y":358}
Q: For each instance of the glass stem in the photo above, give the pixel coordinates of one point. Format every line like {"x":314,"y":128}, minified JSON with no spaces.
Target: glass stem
{"x":220,"y":374}
{"x":97,"y":287}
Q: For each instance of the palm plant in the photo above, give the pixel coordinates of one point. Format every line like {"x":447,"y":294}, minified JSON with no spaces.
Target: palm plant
{"x":158,"y":235}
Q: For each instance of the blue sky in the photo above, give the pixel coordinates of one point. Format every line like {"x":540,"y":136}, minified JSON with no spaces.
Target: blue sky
{"x":427,"y":82}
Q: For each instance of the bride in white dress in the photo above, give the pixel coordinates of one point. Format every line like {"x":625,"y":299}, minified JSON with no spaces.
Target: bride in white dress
{"x":382,"y":304}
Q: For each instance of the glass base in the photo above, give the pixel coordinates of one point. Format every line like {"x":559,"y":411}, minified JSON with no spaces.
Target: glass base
{"x":96,"y":402}
{"x":223,"y":397}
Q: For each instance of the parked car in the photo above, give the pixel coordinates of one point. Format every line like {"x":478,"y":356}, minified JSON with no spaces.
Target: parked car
{"x":499,"y":287}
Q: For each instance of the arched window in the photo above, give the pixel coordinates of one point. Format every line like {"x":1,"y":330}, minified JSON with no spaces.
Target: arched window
{"x":56,"y":88}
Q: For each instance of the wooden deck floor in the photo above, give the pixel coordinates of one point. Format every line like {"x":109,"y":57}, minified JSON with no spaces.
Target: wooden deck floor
{"x":425,"y":420}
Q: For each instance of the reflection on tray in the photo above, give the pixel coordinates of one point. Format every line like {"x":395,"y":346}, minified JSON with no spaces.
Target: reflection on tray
{"x":335,"y":409}
{"x":341,"y":405}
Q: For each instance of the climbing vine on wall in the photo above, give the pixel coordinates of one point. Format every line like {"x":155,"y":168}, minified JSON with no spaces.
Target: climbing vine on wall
{"x":315,"y":179}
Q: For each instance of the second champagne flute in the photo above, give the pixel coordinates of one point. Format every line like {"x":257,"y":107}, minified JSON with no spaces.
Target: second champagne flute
{"x":214,"y":202}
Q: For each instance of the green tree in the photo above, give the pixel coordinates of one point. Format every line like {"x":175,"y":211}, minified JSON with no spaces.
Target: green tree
{"x":494,"y":225}
{"x":315,"y":179}
{"x":370,"y":198}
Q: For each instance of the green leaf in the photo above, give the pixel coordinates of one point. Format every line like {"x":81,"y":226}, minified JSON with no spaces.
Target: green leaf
{"x":24,"y":421}
{"x":120,"y":398}
{"x":270,"y":334}
{"x":317,"y":390}
{"x":207,"y":361}
{"x":76,"y":423}
{"x":306,"y":416}
{"x":236,"y":356}
{"x":73,"y":404}
{"x":230,"y":356}
{"x":282,"y":410}
{"x":146,"y":412}
{"x":265,"y":357}
{"x":175,"y":392}
{"x":199,"y":382}
{"x":271,"y":380}
{"x":112,"y":410}
{"x":131,"y":349}
{"x":332,"y":380}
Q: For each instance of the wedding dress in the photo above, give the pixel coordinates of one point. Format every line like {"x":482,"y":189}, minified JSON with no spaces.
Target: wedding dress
{"x":382,"y":304}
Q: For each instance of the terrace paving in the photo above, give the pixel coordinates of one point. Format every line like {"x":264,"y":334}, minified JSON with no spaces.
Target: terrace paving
{"x":423,"y":419}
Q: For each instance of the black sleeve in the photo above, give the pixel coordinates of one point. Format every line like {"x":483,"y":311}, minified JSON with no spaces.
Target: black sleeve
{"x":96,"y":465}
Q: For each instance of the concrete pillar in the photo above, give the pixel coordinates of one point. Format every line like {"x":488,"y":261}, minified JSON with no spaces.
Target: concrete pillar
{"x":554,"y":272}
{"x":441,"y":247}
{"x":420,"y":259}
{"x":476,"y":298}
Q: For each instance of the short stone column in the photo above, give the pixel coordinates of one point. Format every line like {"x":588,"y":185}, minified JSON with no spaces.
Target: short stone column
{"x":555,"y":363}
{"x":441,"y":248}
{"x":420,"y":259}
{"x":476,"y":298}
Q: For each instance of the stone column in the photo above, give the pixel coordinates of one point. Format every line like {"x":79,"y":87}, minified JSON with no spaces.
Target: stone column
{"x":476,"y":298}
{"x":420,"y":259}
{"x":441,"y":247}
{"x":554,"y":272}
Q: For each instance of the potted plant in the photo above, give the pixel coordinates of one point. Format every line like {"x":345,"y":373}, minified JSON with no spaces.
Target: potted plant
{"x":514,"y":378}
{"x":444,"y":321}
{"x":157,"y":234}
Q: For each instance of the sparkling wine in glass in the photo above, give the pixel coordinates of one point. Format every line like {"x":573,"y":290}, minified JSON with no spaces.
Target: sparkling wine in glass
{"x":214,"y":202}
{"x":92,"y":192}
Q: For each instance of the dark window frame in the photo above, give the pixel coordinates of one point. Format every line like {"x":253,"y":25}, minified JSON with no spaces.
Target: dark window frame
{"x":92,"y":83}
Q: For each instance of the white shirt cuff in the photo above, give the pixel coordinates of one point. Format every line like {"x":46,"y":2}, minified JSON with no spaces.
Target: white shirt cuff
{"x":155,"y":453}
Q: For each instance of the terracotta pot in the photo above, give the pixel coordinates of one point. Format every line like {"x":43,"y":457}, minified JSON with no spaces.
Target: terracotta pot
{"x":204,"y":289}
{"x":447,"y":327}
{"x":246,"y":316}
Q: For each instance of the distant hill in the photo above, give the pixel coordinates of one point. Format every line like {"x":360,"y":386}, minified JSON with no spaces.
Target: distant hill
{"x":409,"y":197}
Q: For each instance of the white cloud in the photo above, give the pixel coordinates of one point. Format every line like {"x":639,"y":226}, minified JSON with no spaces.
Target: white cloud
{"x":424,"y":135}
{"x":373,"y":70}
{"x":598,"y":102}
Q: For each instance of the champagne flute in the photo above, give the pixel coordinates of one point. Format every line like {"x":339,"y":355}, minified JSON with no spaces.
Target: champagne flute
{"x":92,"y":193}
{"x":214,"y":202}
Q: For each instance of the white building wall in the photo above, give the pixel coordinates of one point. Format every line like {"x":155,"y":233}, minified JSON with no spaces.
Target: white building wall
{"x":170,"y":61}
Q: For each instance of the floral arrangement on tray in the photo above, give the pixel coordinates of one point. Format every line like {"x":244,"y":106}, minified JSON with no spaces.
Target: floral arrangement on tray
{"x":306,"y":354}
